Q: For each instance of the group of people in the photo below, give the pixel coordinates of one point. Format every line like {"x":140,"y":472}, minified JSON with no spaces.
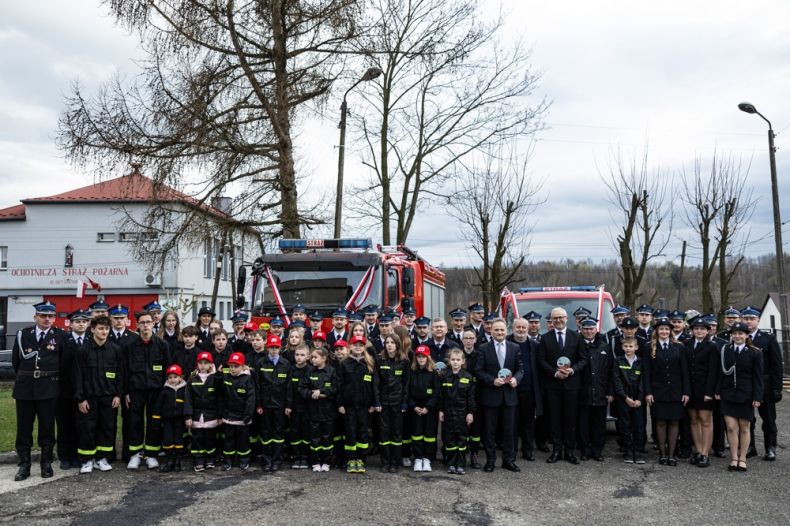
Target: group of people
{"x":387,"y":383}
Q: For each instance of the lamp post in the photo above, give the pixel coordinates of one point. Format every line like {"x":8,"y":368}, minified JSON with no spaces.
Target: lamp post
{"x":370,"y":74}
{"x":750,"y":108}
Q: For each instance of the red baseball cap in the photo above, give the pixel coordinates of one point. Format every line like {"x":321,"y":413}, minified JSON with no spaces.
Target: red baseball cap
{"x":319,"y":335}
{"x":422,"y":350}
{"x":236,"y":358}
{"x":340,"y":343}
{"x":250,"y":326}
{"x":174,"y":369}
{"x":273,"y":341}
{"x":357,"y":339}
{"x":205,"y":356}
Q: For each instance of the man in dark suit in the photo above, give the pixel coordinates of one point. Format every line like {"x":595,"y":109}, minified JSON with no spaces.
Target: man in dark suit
{"x":499,"y":396}
{"x":530,"y":397}
{"x":439,"y":344}
{"x":36,"y":362}
{"x":338,"y":332}
{"x":561,"y":358}
{"x":458,"y":317}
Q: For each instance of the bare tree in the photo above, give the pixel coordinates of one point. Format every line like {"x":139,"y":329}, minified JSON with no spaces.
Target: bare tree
{"x":492,"y":201}
{"x":448,"y":89}
{"x":215,"y":102}
{"x":642,"y":209}
{"x":718,"y":207}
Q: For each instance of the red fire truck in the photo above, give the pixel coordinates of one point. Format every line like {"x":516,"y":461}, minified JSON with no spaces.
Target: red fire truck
{"x":543,"y":299}
{"x":324,"y":274}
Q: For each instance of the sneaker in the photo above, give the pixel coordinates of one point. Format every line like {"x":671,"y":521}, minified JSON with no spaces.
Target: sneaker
{"x":134,"y":462}
{"x":210,"y":464}
{"x":426,"y":464}
{"x":325,"y":468}
{"x":460,"y":471}
{"x":640,"y":459}
{"x":151,"y":462}
{"x":227,"y":465}
{"x":451,"y":470}
{"x":628,"y":459}
{"x":417,"y":464}
{"x":360,"y":466}
{"x":316,"y":468}
{"x":297,"y":465}
{"x":351,"y":466}
{"x":199,"y":466}
{"x":87,"y":467}
{"x":103,"y":465}
{"x":244,"y":465}
{"x":406,"y":462}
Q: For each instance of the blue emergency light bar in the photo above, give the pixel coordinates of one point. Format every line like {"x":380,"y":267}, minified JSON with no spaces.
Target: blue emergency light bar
{"x":310,"y":244}
{"x":575,"y":288}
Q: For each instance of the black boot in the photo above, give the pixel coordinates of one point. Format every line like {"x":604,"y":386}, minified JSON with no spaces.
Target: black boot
{"x":168,"y":464}
{"x":473,"y":462}
{"x":46,"y":462}
{"x":24,"y":466}
{"x":178,"y":463}
{"x":277,"y":456}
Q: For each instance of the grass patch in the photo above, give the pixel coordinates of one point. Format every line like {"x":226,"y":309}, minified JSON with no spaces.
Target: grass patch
{"x":8,"y":419}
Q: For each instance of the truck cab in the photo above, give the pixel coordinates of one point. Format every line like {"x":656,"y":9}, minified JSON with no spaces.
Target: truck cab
{"x":543,"y":299}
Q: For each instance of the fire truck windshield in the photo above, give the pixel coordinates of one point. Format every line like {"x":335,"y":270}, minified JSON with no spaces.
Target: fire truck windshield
{"x":317,"y":289}
{"x":544,"y":306}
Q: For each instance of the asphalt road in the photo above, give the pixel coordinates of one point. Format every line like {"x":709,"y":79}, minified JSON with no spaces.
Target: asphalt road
{"x":609,"y":492}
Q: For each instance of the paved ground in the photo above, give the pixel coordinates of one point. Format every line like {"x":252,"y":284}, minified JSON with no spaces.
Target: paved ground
{"x":609,"y":492}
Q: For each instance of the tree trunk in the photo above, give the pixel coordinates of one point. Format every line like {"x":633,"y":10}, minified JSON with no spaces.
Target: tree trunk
{"x":218,"y":272}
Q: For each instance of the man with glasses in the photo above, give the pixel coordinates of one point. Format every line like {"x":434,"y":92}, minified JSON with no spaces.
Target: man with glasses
{"x":36,"y":362}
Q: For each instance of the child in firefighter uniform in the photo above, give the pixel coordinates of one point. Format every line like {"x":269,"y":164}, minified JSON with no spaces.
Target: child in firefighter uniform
{"x":392,"y":365}
{"x":423,"y":397}
{"x":169,"y":414}
{"x":273,"y":377}
{"x":629,"y":390}
{"x":97,"y":378}
{"x":319,"y":387}
{"x":203,"y":410}
{"x":238,"y":406}
{"x":358,"y":397}
{"x":299,"y":434}
{"x":456,"y":410}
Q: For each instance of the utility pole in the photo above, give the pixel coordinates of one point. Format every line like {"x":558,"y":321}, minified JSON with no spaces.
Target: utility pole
{"x":680,"y":277}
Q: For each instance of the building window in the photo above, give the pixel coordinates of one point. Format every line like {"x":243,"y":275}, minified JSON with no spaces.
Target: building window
{"x":221,"y":310}
{"x":105,"y":237}
{"x":3,"y":258}
{"x":128,"y":237}
{"x":149,"y":236}
{"x":210,"y":251}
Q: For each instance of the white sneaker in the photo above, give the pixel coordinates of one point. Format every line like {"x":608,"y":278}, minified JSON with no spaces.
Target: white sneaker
{"x":87,"y":467}
{"x":316,"y":468}
{"x":103,"y":465}
{"x":426,"y":464}
{"x":151,"y":462}
{"x":134,"y":462}
{"x":406,"y":461}
{"x":417,"y":464}
{"x":325,"y":467}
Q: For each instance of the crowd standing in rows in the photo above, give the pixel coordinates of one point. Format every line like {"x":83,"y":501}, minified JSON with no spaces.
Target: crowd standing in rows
{"x":386,"y":383}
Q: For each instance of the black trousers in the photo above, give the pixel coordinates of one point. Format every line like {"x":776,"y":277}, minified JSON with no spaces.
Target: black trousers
{"x":563,"y":405}
{"x":454,"y":440}
{"x":173,"y":435}
{"x":526,"y":420}
{"x":767,"y":411}
{"x":273,"y":433}
{"x":632,"y":427}
{"x":543,"y":427}
{"x":96,"y":429}
{"x":391,"y":434}
{"x":357,"y":424}
{"x":26,"y":413}
{"x":321,"y":441}
{"x":236,"y":442}
{"x":66,"y":419}
{"x":339,"y":439}
{"x":299,"y":436}
{"x":592,"y":429}
{"x":144,"y":431}
{"x":423,"y":438}
{"x":204,"y":443}
{"x":492,"y":416}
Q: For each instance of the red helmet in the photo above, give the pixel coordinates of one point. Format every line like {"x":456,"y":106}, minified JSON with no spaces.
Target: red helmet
{"x":273,"y":341}
{"x":236,"y":358}
{"x":174,"y":369}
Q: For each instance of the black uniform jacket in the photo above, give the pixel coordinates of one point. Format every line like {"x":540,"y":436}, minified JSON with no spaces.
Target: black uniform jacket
{"x":487,"y":370}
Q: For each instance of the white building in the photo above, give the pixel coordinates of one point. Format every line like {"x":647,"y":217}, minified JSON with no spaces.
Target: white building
{"x":49,"y":245}
{"x":771,"y":317}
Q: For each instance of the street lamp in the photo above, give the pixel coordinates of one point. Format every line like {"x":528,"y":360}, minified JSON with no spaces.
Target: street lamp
{"x":370,"y":74}
{"x":750,"y":108}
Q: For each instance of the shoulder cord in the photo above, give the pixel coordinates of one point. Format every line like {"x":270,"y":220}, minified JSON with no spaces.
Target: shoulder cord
{"x":732,"y":371}
{"x":22,"y":353}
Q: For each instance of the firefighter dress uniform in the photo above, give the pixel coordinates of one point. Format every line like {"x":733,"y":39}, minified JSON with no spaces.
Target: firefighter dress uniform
{"x":36,"y":362}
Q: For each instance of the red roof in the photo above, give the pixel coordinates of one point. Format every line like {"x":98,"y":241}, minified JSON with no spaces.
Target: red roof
{"x":13,"y":213}
{"x":131,"y":188}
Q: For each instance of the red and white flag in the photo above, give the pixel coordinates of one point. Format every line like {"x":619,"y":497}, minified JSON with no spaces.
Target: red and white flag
{"x":94,"y":285}
{"x":81,"y":288}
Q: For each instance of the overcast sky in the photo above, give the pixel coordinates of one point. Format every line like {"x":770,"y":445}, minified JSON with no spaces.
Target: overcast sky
{"x":618,"y":73}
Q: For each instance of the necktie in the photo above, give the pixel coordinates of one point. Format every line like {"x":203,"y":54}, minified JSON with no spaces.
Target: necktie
{"x":695,"y":344}
{"x":79,"y":341}
{"x":560,"y":340}
{"x":500,"y":352}
{"x":41,"y":336}
{"x":665,"y":347}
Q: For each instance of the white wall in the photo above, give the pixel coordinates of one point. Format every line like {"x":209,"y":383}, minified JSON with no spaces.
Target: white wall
{"x":771,"y":315}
